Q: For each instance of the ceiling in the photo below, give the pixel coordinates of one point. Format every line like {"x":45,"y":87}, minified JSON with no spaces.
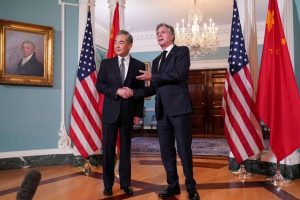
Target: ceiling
{"x":144,"y":15}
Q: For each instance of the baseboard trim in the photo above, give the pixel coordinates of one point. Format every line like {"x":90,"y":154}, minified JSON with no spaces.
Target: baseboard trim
{"x":29,"y":159}
{"x":14,"y":154}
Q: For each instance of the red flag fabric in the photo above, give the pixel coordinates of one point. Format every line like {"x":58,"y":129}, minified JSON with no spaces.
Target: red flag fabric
{"x":115,"y":28}
{"x":85,"y":125}
{"x":241,"y":126}
{"x":278,"y":100}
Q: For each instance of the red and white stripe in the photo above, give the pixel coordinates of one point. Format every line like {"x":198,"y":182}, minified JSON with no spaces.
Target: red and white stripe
{"x":241,"y":125}
{"x":86,"y":127}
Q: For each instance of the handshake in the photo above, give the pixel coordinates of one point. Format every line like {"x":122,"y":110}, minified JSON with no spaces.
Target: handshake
{"x":125,"y":92}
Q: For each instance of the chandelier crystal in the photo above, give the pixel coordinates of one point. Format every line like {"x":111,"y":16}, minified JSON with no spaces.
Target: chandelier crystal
{"x":199,"y":41}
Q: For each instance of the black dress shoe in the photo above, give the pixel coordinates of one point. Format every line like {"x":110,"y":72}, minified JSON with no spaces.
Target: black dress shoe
{"x":127,"y":189}
{"x":193,"y":195}
{"x":107,"y":191}
{"x":169,"y":192}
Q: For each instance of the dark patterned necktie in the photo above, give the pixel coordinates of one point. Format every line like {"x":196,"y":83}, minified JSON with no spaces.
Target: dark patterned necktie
{"x":122,"y":70}
{"x":162,"y":59}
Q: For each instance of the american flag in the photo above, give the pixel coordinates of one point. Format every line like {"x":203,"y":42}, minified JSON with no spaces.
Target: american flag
{"x":85,"y":127}
{"x":241,"y":125}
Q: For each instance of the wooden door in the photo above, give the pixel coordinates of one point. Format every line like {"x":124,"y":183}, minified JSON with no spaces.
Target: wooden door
{"x":197,"y":89}
{"x":206,"y":90}
{"x":215,"y":84}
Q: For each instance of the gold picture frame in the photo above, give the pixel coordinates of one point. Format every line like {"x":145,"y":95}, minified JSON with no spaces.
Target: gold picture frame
{"x":26,"y":54}
{"x":147,"y":83}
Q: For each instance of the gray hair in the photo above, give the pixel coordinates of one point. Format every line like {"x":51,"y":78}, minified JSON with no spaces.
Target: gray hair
{"x":169,"y":27}
{"x":29,"y":42}
{"x":129,"y":36}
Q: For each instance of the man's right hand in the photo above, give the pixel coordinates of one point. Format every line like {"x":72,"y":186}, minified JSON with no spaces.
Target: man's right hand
{"x":125,"y":92}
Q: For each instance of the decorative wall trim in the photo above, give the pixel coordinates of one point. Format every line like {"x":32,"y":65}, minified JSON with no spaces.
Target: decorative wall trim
{"x":149,"y":109}
{"x":19,"y":154}
{"x":146,"y":41}
{"x":47,"y":160}
{"x":209,"y":64}
{"x":101,"y":36}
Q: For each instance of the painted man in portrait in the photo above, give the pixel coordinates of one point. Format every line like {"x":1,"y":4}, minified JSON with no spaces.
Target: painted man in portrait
{"x":29,"y":65}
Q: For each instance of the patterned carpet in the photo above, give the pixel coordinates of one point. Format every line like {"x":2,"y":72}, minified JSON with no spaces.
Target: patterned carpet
{"x":200,"y":146}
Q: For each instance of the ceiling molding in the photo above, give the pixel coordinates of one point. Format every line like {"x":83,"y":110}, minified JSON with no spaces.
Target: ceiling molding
{"x":146,"y":41}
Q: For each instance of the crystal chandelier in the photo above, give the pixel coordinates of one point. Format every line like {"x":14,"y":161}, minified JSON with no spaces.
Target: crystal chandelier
{"x":200,"y":41}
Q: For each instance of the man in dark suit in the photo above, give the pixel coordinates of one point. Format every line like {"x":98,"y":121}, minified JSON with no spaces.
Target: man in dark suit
{"x":116,"y":78}
{"x":29,"y":65}
{"x":169,"y":81}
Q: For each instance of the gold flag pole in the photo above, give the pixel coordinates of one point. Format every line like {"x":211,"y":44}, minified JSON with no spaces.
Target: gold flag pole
{"x":278,"y":180}
{"x":242,"y":172}
{"x":87,"y":167}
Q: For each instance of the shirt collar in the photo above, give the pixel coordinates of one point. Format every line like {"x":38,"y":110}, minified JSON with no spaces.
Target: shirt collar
{"x":28,"y":57}
{"x":126,"y":58}
{"x":168,"y":49}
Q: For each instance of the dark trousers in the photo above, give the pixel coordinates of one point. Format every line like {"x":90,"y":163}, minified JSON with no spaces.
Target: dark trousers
{"x":177,"y":128}
{"x":109,"y":144}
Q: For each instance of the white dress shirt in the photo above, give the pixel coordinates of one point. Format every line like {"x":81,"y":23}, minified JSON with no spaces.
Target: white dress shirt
{"x":168,"y":49}
{"x":25,"y":60}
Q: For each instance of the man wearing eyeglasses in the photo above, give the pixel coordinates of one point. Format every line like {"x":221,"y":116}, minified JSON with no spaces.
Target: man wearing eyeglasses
{"x":116,"y":79}
{"x":173,"y":108}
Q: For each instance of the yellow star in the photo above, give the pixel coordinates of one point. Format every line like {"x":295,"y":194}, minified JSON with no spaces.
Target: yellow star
{"x":283,"y":41}
{"x":112,"y":33}
{"x":270,"y":20}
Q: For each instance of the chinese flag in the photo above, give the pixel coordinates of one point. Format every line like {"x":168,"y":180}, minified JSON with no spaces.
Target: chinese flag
{"x":115,"y":28}
{"x":111,"y":52}
{"x":278,"y":100}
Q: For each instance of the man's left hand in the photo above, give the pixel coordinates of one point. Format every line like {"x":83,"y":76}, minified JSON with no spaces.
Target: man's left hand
{"x":145,"y":76}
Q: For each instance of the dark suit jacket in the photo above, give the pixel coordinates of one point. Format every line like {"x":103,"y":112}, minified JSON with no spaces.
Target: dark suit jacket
{"x":109,"y":81}
{"x":170,"y":83}
{"x":31,"y":68}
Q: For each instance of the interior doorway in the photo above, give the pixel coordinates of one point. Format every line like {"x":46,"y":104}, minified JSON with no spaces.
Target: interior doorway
{"x":206,"y":90}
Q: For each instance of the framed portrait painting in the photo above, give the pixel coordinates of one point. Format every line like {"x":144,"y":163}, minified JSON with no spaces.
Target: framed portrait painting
{"x":26,"y":54}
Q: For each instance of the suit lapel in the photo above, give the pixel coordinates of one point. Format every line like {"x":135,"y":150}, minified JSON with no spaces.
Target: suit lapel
{"x":131,"y":70}
{"x":155,"y":65}
{"x":116,"y":69}
{"x":168,"y":58}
